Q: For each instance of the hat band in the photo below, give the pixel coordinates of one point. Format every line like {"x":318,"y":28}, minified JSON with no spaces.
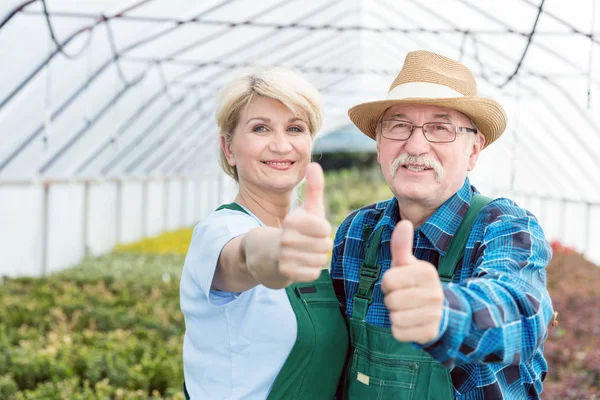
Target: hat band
{"x":422,"y":89}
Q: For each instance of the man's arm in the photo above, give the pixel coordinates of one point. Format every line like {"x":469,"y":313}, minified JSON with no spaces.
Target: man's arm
{"x":501,"y":314}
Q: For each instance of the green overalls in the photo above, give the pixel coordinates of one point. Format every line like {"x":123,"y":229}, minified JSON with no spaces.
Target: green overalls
{"x":380,"y":367}
{"x":315,"y":364}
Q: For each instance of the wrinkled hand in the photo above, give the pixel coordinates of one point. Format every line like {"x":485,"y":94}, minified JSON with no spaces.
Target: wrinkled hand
{"x":306,"y":233}
{"x":413,"y":291}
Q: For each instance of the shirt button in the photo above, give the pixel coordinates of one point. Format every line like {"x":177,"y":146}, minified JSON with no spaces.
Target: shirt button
{"x":414,"y":366}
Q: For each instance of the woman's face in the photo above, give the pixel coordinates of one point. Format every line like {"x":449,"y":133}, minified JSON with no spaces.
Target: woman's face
{"x":270,"y":147}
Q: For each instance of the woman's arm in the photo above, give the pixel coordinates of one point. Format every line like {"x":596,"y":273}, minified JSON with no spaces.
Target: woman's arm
{"x":276,"y":257}
{"x":232,"y":273}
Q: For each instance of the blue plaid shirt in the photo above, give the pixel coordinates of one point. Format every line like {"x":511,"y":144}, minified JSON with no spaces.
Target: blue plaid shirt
{"x":496,"y":310}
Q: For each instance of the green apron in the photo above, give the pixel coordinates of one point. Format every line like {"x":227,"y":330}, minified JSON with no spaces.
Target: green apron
{"x":316,"y":362}
{"x":380,"y":367}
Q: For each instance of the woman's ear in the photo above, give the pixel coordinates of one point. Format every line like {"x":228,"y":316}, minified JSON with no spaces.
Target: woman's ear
{"x":226,"y":147}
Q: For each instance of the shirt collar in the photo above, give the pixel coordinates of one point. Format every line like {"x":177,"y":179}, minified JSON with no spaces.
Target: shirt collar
{"x":443,"y":224}
{"x":440,"y":227}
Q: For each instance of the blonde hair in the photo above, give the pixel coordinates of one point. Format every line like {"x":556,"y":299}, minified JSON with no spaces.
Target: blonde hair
{"x":278,"y":83}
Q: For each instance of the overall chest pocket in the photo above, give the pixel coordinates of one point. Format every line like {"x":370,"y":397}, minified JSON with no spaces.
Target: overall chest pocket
{"x":375,"y":376}
{"x":322,"y":308}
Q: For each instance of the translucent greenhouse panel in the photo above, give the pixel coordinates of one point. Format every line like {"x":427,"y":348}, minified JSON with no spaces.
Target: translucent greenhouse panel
{"x":536,"y":207}
{"x":562,"y":55}
{"x":578,"y":17}
{"x":65,"y":160}
{"x":593,"y":239}
{"x":554,"y":220}
{"x":128,"y":32}
{"x":130,"y":145}
{"x":574,"y":235}
{"x":174,"y":206}
{"x":328,"y":55}
{"x":106,"y":132}
{"x":172,"y":41}
{"x":230,"y":188}
{"x":159,"y":150}
{"x":491,"y":15}
{"x":191,"y":203}
{"x":8,"y":6}
{"x":149,"y":145}
{"x":21,"y":238}
{"x":98,"y":159}
{"x":23,"y":63}
{"x":232,"y":12}
{"x":535,"y":150}
{"x":91,"y":7}
{"x":156,"y":203}
{"x":177,"y":9}
{"x":131,"y":216}
{"x":102,"y":217}
{"x":19,"y":120}
{"x":202,"y":197}
{"x":65,"y":226}
{"x":321,"y":13}
{"x":548,"y":24}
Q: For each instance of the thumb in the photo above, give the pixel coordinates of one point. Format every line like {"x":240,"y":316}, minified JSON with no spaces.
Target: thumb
{"x":402,"y":243}
{"x":315,"y":185}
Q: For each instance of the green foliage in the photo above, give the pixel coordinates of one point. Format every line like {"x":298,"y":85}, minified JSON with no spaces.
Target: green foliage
{"x":108,"y":329}
{"x":350,"y":189}
{"x":111,"y":328}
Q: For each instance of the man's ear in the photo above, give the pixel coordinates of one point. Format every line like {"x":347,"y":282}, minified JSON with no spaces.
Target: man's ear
{"x":475,"y":148}
{"x":226,"y":147}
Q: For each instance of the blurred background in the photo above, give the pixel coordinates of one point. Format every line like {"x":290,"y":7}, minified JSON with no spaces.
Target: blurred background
{"x":108,"y":158}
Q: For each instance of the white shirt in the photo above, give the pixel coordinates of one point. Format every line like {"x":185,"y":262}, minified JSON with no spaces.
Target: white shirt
{"x":235,"y":343}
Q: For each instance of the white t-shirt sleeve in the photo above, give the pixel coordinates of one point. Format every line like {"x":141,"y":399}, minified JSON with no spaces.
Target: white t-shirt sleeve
{"x":208,"y":240}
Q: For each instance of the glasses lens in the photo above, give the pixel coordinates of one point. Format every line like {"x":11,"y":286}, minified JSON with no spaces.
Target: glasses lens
{"x":439,"y":132}
{"x":396,"y":130}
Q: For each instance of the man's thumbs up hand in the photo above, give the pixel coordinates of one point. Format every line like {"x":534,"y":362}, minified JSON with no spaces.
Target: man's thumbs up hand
{"x":402,"y":244}
{"x":413,"y":291}
{"x":306,"y":233}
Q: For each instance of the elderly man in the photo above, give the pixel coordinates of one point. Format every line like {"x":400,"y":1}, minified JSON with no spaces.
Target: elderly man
{"x":444,"y":289}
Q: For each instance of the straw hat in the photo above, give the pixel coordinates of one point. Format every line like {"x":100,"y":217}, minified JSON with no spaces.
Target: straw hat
{"x":429,"y":78}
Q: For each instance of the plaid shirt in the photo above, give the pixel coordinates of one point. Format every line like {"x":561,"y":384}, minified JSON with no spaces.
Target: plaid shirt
{"x":497,"y":309}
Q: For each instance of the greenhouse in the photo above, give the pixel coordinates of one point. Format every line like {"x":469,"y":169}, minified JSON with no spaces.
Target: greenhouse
{"x":109,"y":157}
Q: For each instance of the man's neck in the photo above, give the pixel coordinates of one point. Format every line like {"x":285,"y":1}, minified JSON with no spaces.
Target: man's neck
{"x":270,"y":208}
{"x":417,"y":213}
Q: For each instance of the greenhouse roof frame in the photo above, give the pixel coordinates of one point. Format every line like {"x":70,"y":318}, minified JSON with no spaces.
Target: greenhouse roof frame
{"x":350,"y":50}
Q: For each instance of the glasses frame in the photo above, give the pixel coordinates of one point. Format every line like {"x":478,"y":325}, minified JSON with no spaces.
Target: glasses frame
{"x":457,"y":129}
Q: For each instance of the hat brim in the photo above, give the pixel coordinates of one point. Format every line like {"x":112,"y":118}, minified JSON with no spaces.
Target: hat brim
{"x":488,"y":115}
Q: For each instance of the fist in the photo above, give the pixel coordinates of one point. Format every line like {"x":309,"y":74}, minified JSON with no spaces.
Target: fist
{"x":306,"y":233}
{"x":413,"y":291}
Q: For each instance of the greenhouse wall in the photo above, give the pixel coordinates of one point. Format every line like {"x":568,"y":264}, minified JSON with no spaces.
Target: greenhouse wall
{"x":48,"y":226}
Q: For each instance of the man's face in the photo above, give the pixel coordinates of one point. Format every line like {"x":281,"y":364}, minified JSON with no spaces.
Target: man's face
{"x":417,"y":170}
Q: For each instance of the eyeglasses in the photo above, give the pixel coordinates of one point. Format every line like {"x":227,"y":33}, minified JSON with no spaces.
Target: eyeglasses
{"x":435,"y":132}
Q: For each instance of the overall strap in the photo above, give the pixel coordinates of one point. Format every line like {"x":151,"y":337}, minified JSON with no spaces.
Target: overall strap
{"x":234,"y":207}
{"x":456,"y":250}
{"x":369,"y":273}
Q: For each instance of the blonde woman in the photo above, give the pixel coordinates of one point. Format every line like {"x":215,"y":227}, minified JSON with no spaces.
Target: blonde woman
{"x":262,"y":319}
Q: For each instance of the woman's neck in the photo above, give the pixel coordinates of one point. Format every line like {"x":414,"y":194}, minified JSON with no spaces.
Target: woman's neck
{"x":271,"y":208}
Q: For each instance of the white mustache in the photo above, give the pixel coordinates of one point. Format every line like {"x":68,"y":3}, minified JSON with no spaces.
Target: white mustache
{"x":428,"y":162}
